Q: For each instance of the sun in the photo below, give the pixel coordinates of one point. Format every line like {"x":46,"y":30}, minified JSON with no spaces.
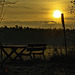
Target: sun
{"x":57,"y":14}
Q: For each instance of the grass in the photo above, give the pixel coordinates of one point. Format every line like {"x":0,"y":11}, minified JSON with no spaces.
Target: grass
{"x":57,"y":65}
{"x":53,"y":65}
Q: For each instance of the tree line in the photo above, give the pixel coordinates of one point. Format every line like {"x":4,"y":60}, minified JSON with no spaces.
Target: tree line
{"x":28,"y":28}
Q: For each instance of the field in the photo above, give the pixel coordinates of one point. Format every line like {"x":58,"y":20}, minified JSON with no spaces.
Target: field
{"x":56,"y":63}
{"x":53,"y":65}
{"x":40,"y":67}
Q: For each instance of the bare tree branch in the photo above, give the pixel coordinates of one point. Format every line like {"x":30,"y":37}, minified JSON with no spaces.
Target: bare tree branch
{"x":3,"y":3}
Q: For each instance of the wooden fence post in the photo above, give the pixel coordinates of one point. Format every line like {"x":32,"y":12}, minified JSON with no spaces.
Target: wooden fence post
{"x":63,"y":24}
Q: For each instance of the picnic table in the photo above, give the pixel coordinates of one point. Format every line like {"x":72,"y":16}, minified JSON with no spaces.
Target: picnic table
{"x":13,"y":50}
{"x":32,"y":49}
{"x":36,"y":49}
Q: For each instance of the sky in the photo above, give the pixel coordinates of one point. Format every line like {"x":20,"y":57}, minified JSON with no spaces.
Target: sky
{"x":38,"y":10}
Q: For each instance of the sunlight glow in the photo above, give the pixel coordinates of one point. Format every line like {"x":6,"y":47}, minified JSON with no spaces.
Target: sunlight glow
{"x":57,"y":14}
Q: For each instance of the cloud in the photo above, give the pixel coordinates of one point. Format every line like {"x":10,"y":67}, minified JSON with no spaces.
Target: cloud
{"x":49,"y":22}
{"x":70,"y":18}
{"x":36,"y":12}
{"x":23,"y":12}
{"x":44,"y":9}
{"x":20,"y":6}
{"x":52,"y":22}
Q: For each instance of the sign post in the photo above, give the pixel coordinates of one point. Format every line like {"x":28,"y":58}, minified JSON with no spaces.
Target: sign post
{"x":63,"y":24}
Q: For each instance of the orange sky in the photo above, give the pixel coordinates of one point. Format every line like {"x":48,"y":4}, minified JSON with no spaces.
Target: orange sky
{"x":38,"y":10}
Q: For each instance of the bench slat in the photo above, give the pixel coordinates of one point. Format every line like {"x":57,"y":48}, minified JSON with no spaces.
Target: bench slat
{"x":36,"y":49}
{"x":36,"y":45}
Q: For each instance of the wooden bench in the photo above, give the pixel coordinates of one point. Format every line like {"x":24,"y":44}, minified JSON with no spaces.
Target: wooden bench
{"x":36,"y":49}
{"x":13,"y":50}
{"x":30,"y":48}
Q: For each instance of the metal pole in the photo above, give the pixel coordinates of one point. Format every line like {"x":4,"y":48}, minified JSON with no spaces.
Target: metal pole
{"x":63,"y":24}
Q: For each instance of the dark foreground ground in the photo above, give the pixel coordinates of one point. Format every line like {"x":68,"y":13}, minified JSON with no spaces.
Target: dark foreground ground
{"x":57,"y":65}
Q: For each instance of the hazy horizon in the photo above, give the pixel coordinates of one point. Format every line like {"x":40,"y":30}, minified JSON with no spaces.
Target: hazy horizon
{"x":36,"y":24}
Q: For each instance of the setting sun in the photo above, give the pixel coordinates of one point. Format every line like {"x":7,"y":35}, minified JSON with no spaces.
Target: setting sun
{"x":57,"y":14}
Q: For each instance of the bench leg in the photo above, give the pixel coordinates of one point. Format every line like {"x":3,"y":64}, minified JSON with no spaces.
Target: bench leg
{"x":44,"y":56}
{"x":30,"y":56}
{"x":34,"y":56}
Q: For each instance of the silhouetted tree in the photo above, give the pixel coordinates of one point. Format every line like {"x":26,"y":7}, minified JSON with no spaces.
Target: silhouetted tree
{"x":16,"y":26}
{"x":20,"y":27}
{"x":5,"y":27}
{"x":72,"y":7}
